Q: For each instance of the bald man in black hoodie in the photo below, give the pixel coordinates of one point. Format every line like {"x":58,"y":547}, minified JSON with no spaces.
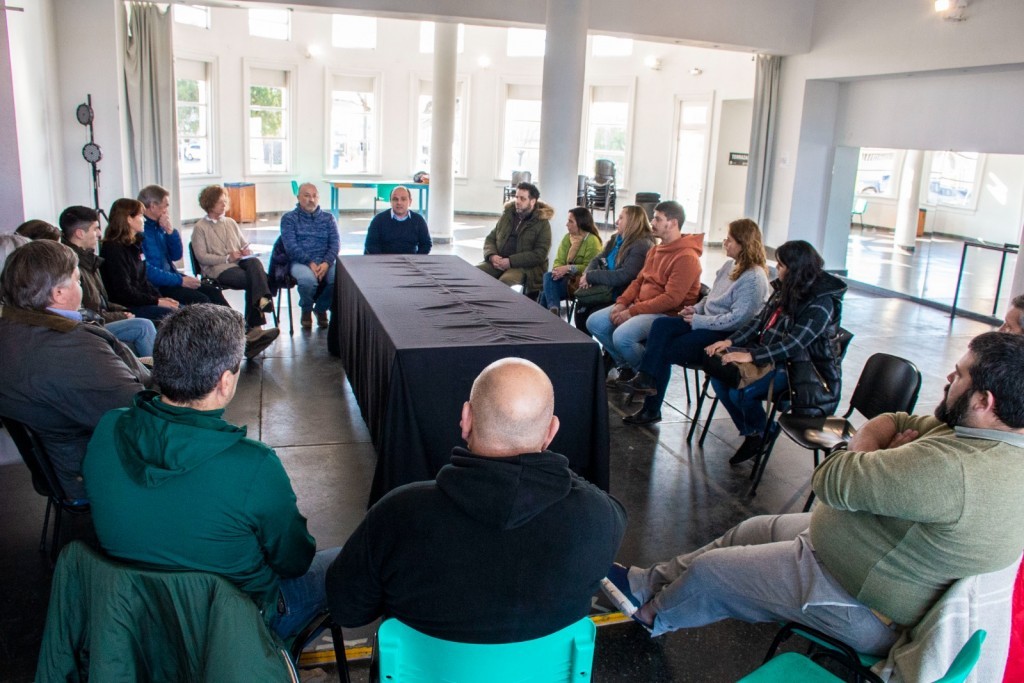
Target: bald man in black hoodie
{"x":507,"y":544}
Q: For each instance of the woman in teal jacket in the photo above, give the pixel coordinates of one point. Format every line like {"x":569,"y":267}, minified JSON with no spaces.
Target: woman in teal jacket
{"x":578,"y":248}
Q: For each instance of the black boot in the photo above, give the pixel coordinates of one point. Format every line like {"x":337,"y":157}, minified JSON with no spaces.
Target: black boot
{"x":644,"y":417}
{"x":750,"y":448}
{"x":642,"y":384}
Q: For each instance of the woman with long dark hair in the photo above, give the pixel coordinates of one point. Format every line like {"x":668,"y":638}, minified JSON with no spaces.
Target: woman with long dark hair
{"x":794,"y":324}
{"x":580,"y":245}
{"x":739,"y":291}
{"x":124,"y":269}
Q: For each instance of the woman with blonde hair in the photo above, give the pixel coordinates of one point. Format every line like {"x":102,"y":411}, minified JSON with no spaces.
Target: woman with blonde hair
{"x":224,"y":256}
{"x":617,"y":265}
{"x":123,"y":268}
{"x":739,"y":292}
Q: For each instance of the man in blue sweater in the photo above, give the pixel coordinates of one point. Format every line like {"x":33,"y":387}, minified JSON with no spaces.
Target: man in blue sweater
{"x":161,"y":245}
{"x":398,"y":231}
{"x":310,"y":237}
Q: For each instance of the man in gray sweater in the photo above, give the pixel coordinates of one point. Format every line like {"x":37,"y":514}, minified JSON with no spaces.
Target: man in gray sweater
{"x":909,"y":506}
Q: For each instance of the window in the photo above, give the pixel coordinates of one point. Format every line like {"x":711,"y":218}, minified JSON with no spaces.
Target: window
{"x":878,"y":171}
{"x":353,"y":144}
{"x":192,"y":15}
{"x":352,"y":32}
{"x":268,"y":121}
{"x":607,"y":128}
{"x":192,"y":97}
{"x":606,"y":46}
{"x":427,"y":37}
{"x":953,"y":179}
{"x":270,"y":23}
{"x":425,"y":128}
{"x":525,"y":42}
{"x":521,"y":136}
{"x":692,"y":143}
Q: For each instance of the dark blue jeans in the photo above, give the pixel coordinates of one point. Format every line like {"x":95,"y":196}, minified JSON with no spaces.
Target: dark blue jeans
{"x":744,"y":405}
{"x":673,"y":341}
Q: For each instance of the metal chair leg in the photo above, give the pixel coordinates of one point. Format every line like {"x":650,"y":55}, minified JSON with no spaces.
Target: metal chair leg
{"x":46,"y":525}
{"x":707,"y":422}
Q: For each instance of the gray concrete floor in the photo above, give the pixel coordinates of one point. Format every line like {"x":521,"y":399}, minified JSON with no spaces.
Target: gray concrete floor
{"x":678,"y":496}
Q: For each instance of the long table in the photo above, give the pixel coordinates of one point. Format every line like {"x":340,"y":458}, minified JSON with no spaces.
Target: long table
{"x":415,"y":331}
{"x":383,"y":189}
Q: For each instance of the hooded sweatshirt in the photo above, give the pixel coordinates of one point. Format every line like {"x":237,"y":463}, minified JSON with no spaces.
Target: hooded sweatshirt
{"x":495,"y":550}
{"x":178,"y":488}
{"x":669,"y":280}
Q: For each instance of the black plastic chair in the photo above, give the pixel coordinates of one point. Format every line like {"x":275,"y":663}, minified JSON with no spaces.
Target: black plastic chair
{"x":44,"y":481}
{"x":888,"y":384}
{"x":311,"y":631}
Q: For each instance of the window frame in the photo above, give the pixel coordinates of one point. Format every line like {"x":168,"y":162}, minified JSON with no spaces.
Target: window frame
{"x":378,"y":94}
{"x":621,"y":173}
{"x":212,"y":146}
{"x":695,"y":218}
{"x":291,"y":80}
{"x":415,"y":84}
{"x":504,"y":84}
{"x":976,"y":183}
{"x":206,"y":11}
{"x":897,"y":173}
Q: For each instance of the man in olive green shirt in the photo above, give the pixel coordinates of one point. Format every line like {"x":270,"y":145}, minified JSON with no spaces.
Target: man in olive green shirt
{"x":910,"y":505}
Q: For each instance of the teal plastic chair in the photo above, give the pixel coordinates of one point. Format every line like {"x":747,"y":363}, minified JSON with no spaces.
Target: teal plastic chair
{"x":295,"y":188}
{"x":408,"y":656}
{"x":792,"y":666}
{"x":859,"y":207}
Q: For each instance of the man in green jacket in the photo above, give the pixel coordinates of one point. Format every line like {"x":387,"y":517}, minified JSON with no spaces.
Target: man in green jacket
{"x":516,"y":251}
{"x":173,"y":485}
{"x":910,"y":505}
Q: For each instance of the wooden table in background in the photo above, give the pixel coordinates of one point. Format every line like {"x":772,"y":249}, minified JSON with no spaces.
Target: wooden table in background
{"x":243,"y":202}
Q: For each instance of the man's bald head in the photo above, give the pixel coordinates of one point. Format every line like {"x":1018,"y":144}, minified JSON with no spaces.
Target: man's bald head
{"x":510,"y":410}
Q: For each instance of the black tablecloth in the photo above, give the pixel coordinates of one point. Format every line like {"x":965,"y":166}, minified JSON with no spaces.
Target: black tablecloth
{"x":415,"y":331}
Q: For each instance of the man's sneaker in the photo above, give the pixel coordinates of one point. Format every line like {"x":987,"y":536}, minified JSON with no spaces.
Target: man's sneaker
{"x":616,"y":587}
{"x":257,"y":346}
{"x":321,"y":319}
{"x":306,"y":320}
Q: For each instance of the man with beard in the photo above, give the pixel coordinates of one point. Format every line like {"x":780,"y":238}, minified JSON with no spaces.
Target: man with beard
{"x":910,"y":505}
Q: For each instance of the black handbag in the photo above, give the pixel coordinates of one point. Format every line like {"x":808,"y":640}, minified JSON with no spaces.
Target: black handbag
{"x":594,"y":296}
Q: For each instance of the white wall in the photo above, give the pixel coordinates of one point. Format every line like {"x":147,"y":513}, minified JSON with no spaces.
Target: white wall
{"x":398,"y":62}
{"x":730,"y":182}
{"x":892,"y":50}
{"x":11,"y":211}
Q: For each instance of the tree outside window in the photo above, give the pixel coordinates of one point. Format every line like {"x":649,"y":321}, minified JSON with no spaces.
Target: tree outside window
{"x":268,"y":126}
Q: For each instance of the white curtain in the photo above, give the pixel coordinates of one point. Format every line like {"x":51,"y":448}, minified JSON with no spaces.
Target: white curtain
{"x":149,"y":86}
{"x":762,"y":137}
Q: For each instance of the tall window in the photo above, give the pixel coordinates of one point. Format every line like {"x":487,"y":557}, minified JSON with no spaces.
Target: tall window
{"x":692,"y":142}
{"x":193,"y":96}
{"x":268,"y":121}
{"x":353,"y":32}
{"x":427,"y":37}
{"x":878,"y":171}
{"x":953,"y":179}
{"x":270,"y":23}
{"x":353,"y":146}
{"x":192,"y":15}
{"x":525,"y":42}
{"x":607,"y":128}
{"x":607,"y":46}
{"x":425,"y":117}
{"x":521,"y":135}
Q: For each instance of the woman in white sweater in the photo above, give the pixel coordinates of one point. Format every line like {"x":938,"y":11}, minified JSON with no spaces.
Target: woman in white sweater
{"x":224,"y":256}
{"x":738,"y":294}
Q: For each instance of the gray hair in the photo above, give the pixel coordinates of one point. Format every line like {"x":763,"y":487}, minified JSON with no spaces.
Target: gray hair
{"x":8,"y":243}
{"x":152,"y":194}
{"x":33,"y":271}
{"x":195,"y":346}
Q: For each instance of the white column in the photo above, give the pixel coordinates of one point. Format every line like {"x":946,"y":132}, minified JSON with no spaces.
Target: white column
{"x":565,"y":56}
{"x":442,"y":133}
{"x":909,"y":199}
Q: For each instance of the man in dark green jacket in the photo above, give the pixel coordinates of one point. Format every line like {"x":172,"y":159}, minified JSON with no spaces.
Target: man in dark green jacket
{"x":173,"y":485}
{"x":516,"y":251}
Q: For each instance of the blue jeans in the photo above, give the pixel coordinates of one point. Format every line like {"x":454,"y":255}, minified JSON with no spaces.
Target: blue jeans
{"x":672,"y":340}
{"x":744,"y":405}
{"x":625,"y":342}
{"x":304,"y":597}
{"x":137,"y":334}
{"x":151,"y":311}
{"x":307,"y":284}
{"x":554,"y":291}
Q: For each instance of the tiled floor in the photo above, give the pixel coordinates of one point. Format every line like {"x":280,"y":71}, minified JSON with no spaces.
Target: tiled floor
{"x":678,"y":495}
